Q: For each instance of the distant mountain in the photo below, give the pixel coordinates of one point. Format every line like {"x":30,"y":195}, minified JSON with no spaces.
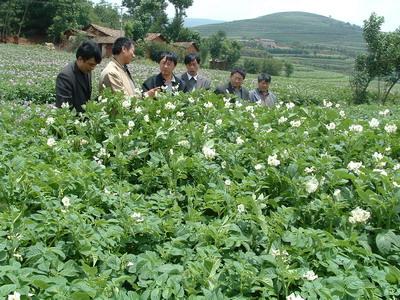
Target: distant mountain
{"x":192,"y":22}
{"x":292,"y":28}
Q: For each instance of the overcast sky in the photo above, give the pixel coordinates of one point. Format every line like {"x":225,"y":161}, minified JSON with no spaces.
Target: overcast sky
{"x":353,"y":11}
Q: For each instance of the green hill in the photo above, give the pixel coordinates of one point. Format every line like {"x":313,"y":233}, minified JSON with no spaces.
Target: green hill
{"x":288,"y":28}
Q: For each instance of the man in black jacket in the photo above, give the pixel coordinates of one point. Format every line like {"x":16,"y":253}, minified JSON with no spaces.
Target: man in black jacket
{"x":74,"y":82}
{"x":234,"y":86}
{"x":166,"y":80}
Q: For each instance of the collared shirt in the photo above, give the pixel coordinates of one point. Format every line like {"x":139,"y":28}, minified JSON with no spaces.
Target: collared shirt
{"x":194,"y":77}
{"x":169,"y":84}
{"x":191,"y":82}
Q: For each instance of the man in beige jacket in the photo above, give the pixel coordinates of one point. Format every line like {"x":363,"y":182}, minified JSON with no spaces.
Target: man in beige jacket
{"x":116,"y":74}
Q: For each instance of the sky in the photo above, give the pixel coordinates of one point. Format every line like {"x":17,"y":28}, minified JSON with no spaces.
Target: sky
{"x":352,"y":11}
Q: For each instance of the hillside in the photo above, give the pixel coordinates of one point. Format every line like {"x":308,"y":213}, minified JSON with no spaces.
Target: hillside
{"x":192,"y":22}
{"x":290,"y":28}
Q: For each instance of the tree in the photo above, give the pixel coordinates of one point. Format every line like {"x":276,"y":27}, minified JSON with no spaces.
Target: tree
{"x":382,"y":60}
{"x":134,"y":30}
{"x":289,"y":69}
{"x":150,"y":13}
{"x":69,"y":14}
{"x":105,"y":14}
{"x":220,"y":47}
{"x":215,"y":44}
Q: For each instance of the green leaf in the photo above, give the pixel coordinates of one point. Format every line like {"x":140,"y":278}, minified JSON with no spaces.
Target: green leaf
{"x":7,"y":289}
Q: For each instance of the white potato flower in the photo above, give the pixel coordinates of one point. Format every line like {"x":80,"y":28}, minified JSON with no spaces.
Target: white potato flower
{"x":126,"y":103}
{"x":354,"y":166}
{"x":282,"y":120}
{"x":294,"y":296}
{"x":374,"y":123}
{"x":295,"y":123}
{"x":356,"y":128}
{"x":312,"y":185}
{"x":239,"y":140}
{"x":241,"y":209}
{"x":137,"y":217}
{"x":15,"y":296}
{"x":66,"y":201}
{"x":310,"y":275}
{"x":377,"y":156}
{"x":273,"y":160}
{"x":358,"y":215}
{"x":209,"y":152}
{"x":50,"y":121}
{"x":258,"y":167}
{"x":331,"y":126}
{"x":391,"y":128}
{"x":51,"y":142}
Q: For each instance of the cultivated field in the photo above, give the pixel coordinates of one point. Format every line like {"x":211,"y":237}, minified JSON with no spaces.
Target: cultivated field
{"x":193,"y":196}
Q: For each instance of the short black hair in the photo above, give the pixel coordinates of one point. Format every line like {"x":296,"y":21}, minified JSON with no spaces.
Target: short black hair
{"x":240,"y":71}
{"x":171,"y":56}
{"x":191,"y":57}
{"x":89,"y":49}
{"x":121,"y":42}
{"x":264,"y":77}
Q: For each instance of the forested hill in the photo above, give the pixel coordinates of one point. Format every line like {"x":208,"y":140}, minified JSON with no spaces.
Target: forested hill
{"x":292,"y":27}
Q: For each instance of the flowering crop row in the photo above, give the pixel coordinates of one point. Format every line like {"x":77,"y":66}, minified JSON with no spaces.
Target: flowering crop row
{"x":196,"y":197}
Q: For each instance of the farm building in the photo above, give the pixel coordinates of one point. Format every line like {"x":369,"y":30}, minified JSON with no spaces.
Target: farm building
{"x":188,"y":47}
{"x":104,"y":36}
{"x":155,"y":37}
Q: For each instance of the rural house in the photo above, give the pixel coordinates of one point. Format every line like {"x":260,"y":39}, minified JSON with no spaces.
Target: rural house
{"x":155,"y":38}
{"x":188,"y":47}
{"x":104,"y":36}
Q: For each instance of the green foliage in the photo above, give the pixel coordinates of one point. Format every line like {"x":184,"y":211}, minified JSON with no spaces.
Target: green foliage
{"x":267,"y":65}
{"x":135,"y":30}
{"x":289,"y":69}
{"x":104,"y":14}
{"x":171,"y":198}
{"x":223,"y":49}
{"x":382,"y":60}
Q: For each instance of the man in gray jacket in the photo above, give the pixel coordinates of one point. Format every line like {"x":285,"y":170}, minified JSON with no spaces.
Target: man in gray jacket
{"x":192,"y":79}
{"x":74,"y":82}
{"x":262,"y":94}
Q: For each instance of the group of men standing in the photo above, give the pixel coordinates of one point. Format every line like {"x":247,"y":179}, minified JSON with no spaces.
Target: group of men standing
{"x":73,"y":83}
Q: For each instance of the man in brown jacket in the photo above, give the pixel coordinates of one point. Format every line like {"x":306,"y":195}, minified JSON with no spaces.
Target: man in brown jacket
{"x":116,"y":74}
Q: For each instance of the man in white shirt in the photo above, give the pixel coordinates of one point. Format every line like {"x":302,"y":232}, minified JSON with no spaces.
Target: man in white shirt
{"x":192,"y":79}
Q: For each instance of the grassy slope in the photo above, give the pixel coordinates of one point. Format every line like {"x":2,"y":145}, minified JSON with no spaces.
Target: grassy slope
{"x":290,"y":27}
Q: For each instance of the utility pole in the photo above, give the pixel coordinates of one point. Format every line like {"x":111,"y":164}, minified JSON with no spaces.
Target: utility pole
{"x":120,"y":20}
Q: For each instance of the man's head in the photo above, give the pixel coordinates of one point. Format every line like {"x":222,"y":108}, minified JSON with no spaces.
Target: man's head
{"x":168,"y":62}
{"x":263,"y":82}
{"x":192,"y":62}
{"x":88,"y":56}
{"x":237,"y":77}
{"x":124,"y":49}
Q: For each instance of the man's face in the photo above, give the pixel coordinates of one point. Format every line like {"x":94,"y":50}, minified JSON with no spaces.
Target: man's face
{"x":166,"y":67}
{"x":192,"y":67}
{"x":236,"y":80}
{"x":128,"y":54}
{"x":86,"y":66}
{"x":263,"y":86}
